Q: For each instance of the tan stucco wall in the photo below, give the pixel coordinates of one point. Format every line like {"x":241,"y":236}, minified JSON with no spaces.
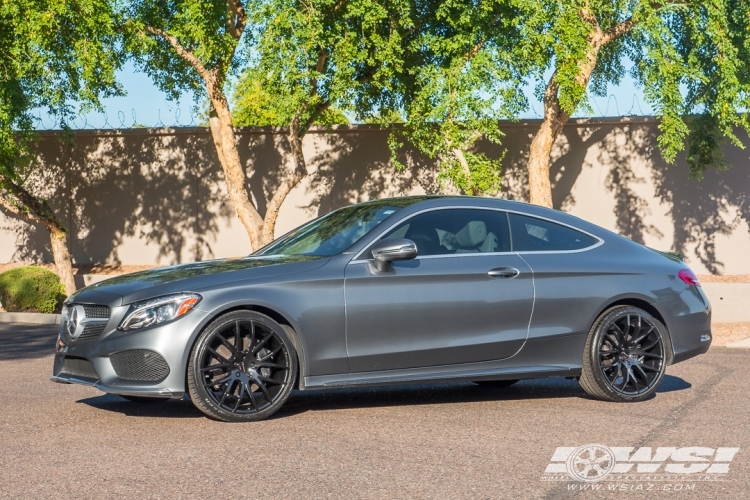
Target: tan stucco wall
{"x":156,"y":196}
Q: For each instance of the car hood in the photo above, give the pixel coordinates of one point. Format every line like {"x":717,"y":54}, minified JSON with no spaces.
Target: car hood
{"x":190,"y":277}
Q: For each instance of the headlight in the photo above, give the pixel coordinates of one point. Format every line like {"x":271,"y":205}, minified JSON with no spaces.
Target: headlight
{"x":158,"y":310}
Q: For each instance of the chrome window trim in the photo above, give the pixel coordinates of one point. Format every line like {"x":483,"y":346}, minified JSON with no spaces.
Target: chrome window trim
{"x":599,"y":242}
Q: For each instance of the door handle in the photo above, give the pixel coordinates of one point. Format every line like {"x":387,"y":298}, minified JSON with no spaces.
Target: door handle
{"x":503,"y":272}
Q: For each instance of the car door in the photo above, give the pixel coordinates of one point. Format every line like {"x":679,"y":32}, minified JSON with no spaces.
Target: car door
{"x":465,"y":297}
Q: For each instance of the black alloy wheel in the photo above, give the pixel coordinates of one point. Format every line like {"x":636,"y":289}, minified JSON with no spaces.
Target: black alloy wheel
{"x":625,"y":355}
{"x":242,"y":368}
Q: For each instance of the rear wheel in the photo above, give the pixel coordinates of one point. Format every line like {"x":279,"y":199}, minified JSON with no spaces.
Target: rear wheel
{"x":495,"y":383}
{"x":242,"y":368}
{"x":625,"y":355}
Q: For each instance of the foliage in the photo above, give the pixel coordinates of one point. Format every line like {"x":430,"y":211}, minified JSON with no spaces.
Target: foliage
{"x":254,"y":106}
{"x":316,"y":60}
{"x":31,"y":289}
{"x":52,"y":53}
{"x":690,"y":57}
{"x":207,"y":29}
{"x":458,"y":80}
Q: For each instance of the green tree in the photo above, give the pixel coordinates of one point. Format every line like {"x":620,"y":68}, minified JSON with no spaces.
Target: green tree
{"x":315,"y":61}
{"x":690,"y":57}
{"x":459,"y":79}
{"x":52,"y":53}
{"x":193,"y":45}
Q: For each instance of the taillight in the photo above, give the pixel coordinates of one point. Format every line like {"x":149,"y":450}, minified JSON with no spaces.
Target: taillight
{"x":689,"y":277}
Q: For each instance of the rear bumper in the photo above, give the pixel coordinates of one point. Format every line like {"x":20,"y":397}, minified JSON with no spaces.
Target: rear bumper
{"x":688,"y":318}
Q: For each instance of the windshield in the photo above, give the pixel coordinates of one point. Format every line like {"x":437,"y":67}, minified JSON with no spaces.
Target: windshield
{"x":334,"y":233}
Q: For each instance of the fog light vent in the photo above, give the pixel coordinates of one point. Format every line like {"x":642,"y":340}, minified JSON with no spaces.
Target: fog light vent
{"x":140,"y":364}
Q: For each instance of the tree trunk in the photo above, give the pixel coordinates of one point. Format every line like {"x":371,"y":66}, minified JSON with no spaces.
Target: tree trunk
{"x":286,"y":186}
{"x":540,"y":189}
{"x":59,"y":241}
{"x":26,"y":206}
{"x":220,"y":121}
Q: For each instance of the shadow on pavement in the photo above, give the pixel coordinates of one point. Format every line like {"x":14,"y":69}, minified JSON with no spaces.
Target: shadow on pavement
{"x":21,"y":341}
{"x":172,"y":408}
{"x":373,"y":397}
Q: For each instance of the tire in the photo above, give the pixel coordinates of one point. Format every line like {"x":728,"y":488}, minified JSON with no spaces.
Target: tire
{"x":497,"y":384}
{"x":144,"y":399}
{"x":246,"y":384}
{"x":625,"y":355}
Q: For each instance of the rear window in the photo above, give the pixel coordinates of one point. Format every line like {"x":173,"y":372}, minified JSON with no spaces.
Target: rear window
{"x":530,"y":234}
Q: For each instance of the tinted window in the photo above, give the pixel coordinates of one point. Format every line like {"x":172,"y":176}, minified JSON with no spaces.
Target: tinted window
{"x":455,"y":231}
{"x":532,"y":234}
{"x":332,"y":233}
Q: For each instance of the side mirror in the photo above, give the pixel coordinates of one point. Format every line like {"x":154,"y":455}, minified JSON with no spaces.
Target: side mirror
{"x":391,"y":249}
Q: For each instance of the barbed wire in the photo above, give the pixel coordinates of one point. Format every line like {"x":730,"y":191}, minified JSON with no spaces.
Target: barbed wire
{"x":85,"y":121}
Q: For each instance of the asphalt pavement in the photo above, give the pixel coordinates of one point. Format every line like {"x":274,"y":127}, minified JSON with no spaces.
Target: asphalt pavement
{"x":438,"y":441}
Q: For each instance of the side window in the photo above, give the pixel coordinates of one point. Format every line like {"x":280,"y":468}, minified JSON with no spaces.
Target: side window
{"x":455,"y":231}
{"x":533,"y":235}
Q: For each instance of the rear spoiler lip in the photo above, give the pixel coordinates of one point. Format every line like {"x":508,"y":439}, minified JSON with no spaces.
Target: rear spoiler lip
{"x":673,"y":256}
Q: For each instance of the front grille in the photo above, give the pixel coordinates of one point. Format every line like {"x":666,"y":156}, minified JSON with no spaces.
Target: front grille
{"x":92,"y":330}
{"x":77,"y":367}
{"x":140,"y":364}
{"x":96,"y":311}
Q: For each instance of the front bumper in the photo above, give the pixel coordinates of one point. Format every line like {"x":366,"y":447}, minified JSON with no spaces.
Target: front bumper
{"x":149,"y":362}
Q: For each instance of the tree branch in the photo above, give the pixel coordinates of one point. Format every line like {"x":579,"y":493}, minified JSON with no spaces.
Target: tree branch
{"x":182,"y":52}
{"x":319,"y":109}
{"x":617,"y":30}
{"x":236,"y":19}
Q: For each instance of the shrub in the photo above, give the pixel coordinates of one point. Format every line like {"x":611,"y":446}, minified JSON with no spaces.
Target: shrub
{"x":31,"y":289}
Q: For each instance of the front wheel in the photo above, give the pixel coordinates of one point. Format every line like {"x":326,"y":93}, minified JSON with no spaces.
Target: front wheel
{"x":625,"y":355}
{"x":242,"y":368}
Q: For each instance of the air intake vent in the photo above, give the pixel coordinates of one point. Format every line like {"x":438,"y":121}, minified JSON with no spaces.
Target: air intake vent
{"x":96,"y":311}
{"x":92,"y":330}
{"x":140,"y":364}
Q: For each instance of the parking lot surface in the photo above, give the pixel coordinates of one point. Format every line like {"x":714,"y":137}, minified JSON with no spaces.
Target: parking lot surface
{"x":438,"y":441}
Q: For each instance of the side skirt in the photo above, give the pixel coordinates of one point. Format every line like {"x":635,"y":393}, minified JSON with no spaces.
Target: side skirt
{"x":539,"y":358}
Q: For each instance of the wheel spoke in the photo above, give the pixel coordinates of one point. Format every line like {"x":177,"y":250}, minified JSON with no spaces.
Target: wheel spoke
{"x":270,"y":380}
{"x":252,"y":396}
{"x":252,"y":337}
{"x":271,"y":354}
{"x":226,"y":392}
{"x":646,"y":354}
{"x":266,"y":364}
{"x":218,"y":382}
{"x":217,"y":355}
{"x":260,"y":344}
{"x":225,"y":342}
{"x":265,"y":390}
{"x":215,"y":367}
{"x":237,"y":337}
{"x":651,"y":345}
{"x":641,"y":337}
{"x":646,"y":378}
{"x":239,"y":397}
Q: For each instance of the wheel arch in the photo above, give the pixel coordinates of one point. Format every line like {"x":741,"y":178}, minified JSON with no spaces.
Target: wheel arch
{"x":650,"y":308}
{"x":289,"y":328}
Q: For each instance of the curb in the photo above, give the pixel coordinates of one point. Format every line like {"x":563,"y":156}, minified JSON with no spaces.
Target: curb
{"x":740,"y":344}
{"x":30,"y":318}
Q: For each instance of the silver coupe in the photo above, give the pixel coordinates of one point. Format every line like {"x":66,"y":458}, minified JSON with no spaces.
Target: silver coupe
{"x":393,"y":291}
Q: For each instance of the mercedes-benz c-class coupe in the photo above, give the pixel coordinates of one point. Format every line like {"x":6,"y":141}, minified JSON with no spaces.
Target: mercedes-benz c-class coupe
{"x":393,"y":291}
